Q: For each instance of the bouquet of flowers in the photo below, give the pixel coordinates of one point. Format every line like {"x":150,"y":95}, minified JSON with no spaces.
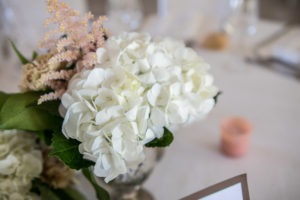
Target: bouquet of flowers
{"x":95,"y":100}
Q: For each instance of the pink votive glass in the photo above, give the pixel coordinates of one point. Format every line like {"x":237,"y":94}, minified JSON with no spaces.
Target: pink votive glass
{"x":235,"y":136}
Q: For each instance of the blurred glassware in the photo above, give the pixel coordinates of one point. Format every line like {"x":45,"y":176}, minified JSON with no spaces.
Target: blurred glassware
{"x":162,"y":8}
{"x":124,"y":15}
{"x":239,"y":16}
{"x":239,"y":20}
{"x":280,"y":51}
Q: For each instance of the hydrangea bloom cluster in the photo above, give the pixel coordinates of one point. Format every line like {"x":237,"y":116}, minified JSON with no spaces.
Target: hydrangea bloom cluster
{"x":20,"y":163}
{"x":138,"y":87}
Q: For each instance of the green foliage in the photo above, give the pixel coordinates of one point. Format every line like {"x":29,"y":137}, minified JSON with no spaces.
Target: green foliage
{"x":45,"y":136}
{"x":20,"y":111}
{"x":69,"y":194}
{"x":51,"y":107}
{"x":48,"y":193}
{"x":100,"y":192}
{"x":43,"y":190}
{"x":21,"y":57}
{"x":67,"y":151}
{"x":34,"y":55}
{"x":164,"y":141}
{"x":217,"y":96}
{"x":19,"y":54}
{"x":3,"y":98}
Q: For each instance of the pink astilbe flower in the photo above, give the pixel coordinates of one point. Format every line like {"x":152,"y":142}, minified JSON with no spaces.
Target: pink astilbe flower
{"x":36,"y":73}
{"x":73,"y":41}
{"x":59,"y":75}
{"x":51,"y":96}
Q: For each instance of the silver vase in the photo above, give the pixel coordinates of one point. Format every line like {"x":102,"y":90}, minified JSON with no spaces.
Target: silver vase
{"x":129,"y":186}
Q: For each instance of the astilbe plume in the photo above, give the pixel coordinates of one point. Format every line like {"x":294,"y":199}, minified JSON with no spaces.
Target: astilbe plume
{"x":73,"y":41}
{"x":39,"y":75}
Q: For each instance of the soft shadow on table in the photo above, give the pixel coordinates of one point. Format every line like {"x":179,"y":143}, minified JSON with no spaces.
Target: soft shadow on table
{"x":204,"y":141}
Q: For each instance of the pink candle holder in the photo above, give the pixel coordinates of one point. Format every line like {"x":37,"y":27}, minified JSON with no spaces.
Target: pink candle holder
{"x":235,"y":136}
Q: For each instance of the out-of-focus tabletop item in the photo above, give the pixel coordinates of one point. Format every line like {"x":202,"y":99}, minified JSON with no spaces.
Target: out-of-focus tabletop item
{"x":283,"y":47}
{"x":100,"y":7}
{"x":216,"y":41}
{"x":235,"y":136}
{"x":280,"y":10}
{"x":235,"y":188}
{"x":239,"y":16}
{"x":287,"y":48}
{"x":237,"y":21}
{"x":124,"y":15}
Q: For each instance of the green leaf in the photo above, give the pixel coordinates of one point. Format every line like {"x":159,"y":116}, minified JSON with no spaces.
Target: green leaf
{"x":217,"y":96}
{"x":49,"y":193}
{"x":34,"y":55}
{"x":164,"y":141}
{"x":44,"y":190}
{"x":19,"y":54}
{"x":20,"y":111}
{"x":51,"y":107}
{"x":69,"y":194}
{"x":45,"y":136}
{"x":67,"y":151}
{"x":101,"y":193}
{"x":3,"y":98}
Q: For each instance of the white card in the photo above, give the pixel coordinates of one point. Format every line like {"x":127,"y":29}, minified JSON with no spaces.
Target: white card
{"x":235,"y":188}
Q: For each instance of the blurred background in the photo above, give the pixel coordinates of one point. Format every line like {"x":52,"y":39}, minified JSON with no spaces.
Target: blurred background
{"x":260,"y":31}
{"x":253,"y":47}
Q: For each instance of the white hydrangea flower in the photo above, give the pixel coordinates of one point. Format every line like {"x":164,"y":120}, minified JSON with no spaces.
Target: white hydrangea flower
{"x":20,"y":163}
{"x":138,"y":87}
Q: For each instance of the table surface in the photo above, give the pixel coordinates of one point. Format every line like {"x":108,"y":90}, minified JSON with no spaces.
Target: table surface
{"x":193,"y":162}
{"x":270,"y":101}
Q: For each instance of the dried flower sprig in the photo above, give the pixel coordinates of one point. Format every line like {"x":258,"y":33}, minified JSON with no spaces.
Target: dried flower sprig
{"x":40,"y":75}
{"x":36,"y":73}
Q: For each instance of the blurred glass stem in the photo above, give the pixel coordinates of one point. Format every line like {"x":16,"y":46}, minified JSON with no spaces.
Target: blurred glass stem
{"x":238,"y":20}
{"x":162,"y":8}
